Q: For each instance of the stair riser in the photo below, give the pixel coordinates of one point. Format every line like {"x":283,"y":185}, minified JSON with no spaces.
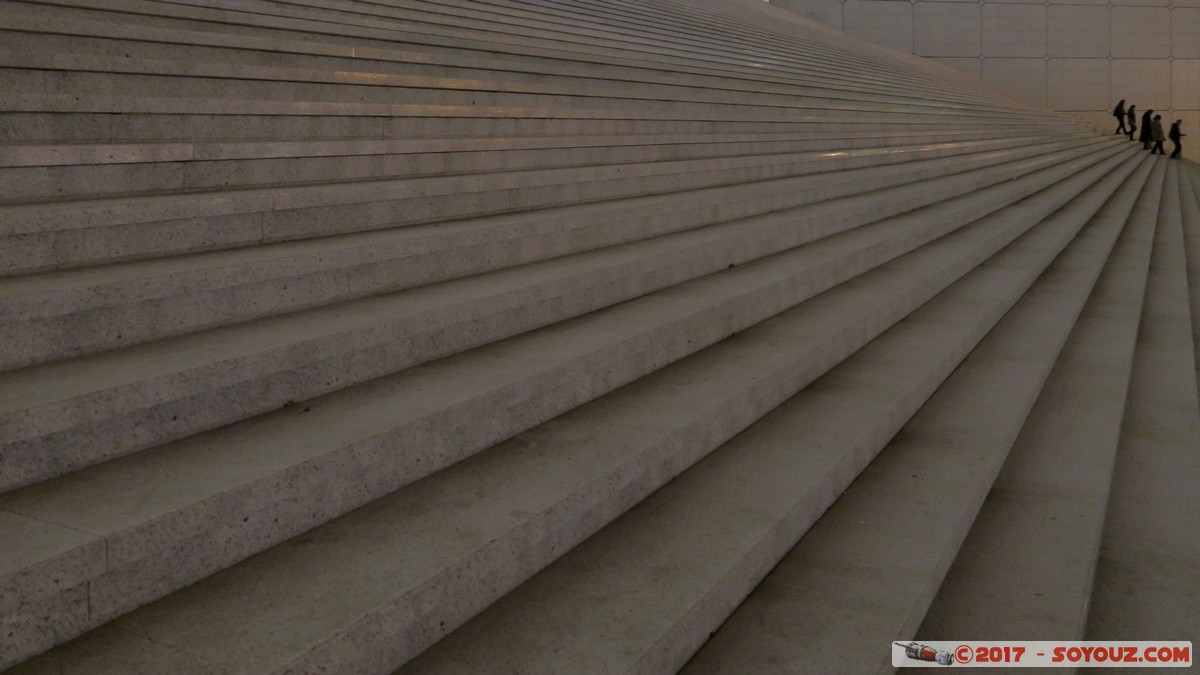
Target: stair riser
{"x":1049,"y":499}
{"x":209,"y":397}
{"x":135,"y":579}
{"x":293,"y":284}
{"x":186,"y":76}
{"x":146,"y":52}
{"x":176,"y":173}
{"x":134,"y":582}
{"x":376,"y":649}
{"x":481,"y":34}
{"x":51,"y":239}
{"x":98,"y":153}
{"x":1000,"y":385}
{"x":847,"y":456}
{"x":135,"y":416}
{"x":43,"y":623}
{"x":41,"y":124}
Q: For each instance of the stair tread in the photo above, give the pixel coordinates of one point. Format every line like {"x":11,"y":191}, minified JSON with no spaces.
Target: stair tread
{"x":1147,"y":584}
{"x":482,"y":336}
{"x":1039,"y":529}
{"x":117,"y":363}
{"x":156,"y":369}
{"x":162,"y":621}
{"x":128,"y":500}
{"x":881,"y":550}
{"x":92,"y":277}
{"x":647,"y":591}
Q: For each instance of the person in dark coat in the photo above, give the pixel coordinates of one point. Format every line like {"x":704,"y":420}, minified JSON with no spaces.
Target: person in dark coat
{"x":1176,"y":135}
{"x":1157,"y":135}
{"x":1132,"y":115}
{"x":1119,"y":113}
{"x":1144,"y":137}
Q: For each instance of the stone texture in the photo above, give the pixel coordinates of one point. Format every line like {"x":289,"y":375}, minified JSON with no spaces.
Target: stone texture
{"x":330,"y":325}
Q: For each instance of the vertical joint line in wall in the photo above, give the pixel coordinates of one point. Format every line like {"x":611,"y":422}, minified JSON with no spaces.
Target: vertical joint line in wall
{"x":1046,"y":56}
{"x":1109,"y":60}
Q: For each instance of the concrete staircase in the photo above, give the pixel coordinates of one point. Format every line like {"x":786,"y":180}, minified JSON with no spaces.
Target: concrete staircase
{"x":570,"y":336}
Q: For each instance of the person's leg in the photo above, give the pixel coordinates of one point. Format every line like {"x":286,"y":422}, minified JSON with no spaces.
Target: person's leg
{"x":1176,"y":151}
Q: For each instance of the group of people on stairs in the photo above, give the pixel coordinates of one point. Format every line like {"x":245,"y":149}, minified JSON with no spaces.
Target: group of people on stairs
{"x":1152,"y":130}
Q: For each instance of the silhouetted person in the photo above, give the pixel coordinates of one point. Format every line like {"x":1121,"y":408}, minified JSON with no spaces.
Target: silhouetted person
{"x":1119,"y":113}
{"x":1157,"y":135}
{"x":1144,"y":137}
{"x":1176,"y":135}
{"x":1132,"y":116}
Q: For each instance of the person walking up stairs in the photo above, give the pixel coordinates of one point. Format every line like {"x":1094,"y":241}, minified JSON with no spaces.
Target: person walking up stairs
{"x":1176,"y":135}
{"x":1156,"y":135}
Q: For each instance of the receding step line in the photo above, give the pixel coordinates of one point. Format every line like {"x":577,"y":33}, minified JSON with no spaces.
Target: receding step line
{"x":95,"y":153}
{"x":178,"y":76}
{"x":333,"y":454}
{"x":62,"y":314}
{"x":96,"y":231}
{"x":57,"y":420}
{"x":865,"y":573}
{"x":1189,"y":203}
{"x":107,"y":170}
{"x":1147,"y":584}
{"x":1026,"y":567}
{"x":484,"y":31}
{"x":513,"y":64}
{"x":643,"y":594}
{"x":743,"y":72}
{"x":835,"y":325}
{"x":707,"y":46}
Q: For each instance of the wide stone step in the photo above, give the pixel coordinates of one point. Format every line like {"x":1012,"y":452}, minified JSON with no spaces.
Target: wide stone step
{"x":1189,"y":205}
{"x":91,"y":74}
{"x":894,"y":76}
{"x":1147,"y":584}
{"x":484,"y":32}
{"x":244,"y":92}
{"x":43,"y":121}
{"x":43,"y":236}
{"x":867,"y":570}
{"x":61,"y":416}
{"x":794,"y":348}
{"x":719,"y":37}
{"x":646,"y":592}
{"x":97,"y":153}
{"x":1026,"y":567}
{"x":679,"y":39}
{"x":348,"y":103}
{"x":119,"y":39}
{"x":35,"y":173}
{"x":327,"y":325}
{"x":68,"y":313}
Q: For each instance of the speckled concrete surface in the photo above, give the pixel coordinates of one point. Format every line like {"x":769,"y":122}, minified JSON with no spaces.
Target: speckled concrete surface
{"x":167,"y":528}
{"x":283,"y":311}
{"x":868,"y":569}
{"x":1147,"y":584}
{"x":1040,"y":528}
